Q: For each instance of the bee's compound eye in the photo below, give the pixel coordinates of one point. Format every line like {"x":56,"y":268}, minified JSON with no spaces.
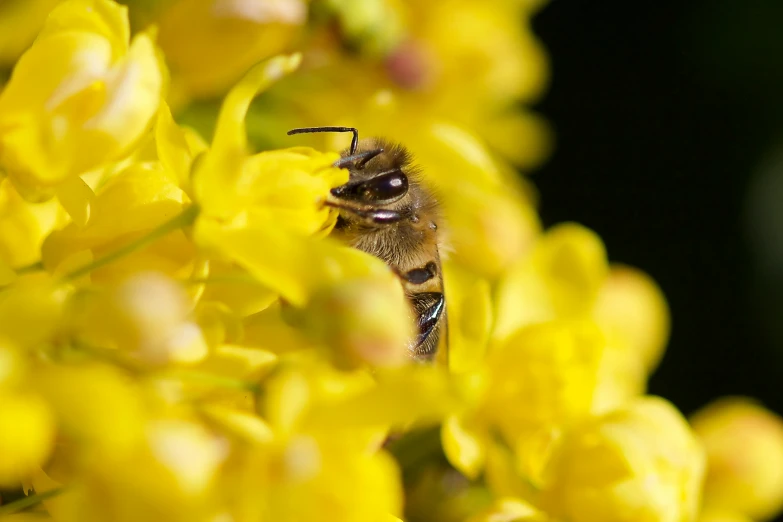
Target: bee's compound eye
{"x":385,"y":188}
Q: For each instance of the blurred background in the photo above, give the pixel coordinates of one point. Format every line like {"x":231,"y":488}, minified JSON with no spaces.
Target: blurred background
{"x":668,"y":117}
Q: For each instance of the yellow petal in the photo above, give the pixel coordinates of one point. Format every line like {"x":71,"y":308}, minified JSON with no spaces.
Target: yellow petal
{"x":641,"y":462}
{"x":633,"y":310}
{"x":292,"y":266}
{"x":30,"y":311}
{"x":172,"y":146}
{"x":463,"y":448}
{"x":239,"y":423}
{"x":104,"y":17}
{"x":572,"y":261}
{"x":76,"y":197}
{"x":110,"y":419}
{"x":509,"y":509}
{"x":28,"y":428}
{"x":470,"y":317}
{"x":744,"y":444}
{"x":216,"y":182}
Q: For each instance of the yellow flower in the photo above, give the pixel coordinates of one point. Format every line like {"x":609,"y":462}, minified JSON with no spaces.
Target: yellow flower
{"x":713,"y":515}
{"x":744,"y":443}
{"x":470,"y":317}
{"x":560,"y":279}
{"x":27,"y":430}
{"x":128,"y":207}
{"x":78,"y":98}
{"x":457,"y":61}
{"x":147,"y":315}
{"x":320,"y":477}
{"x":23,"y":226}
{"x":261,"y":212}
{"x":12,"y":365}
{"x":20,"y":21}
{"x":281,"y":189}
{"x":326,"y":430}
{"x":641,"y":462}
{"x":567,"y":276}
{"x":488,"y":217}
{"x":210,"y":44}
{"x":172,"y":469}
{"x":96,"y":405}
{"x":635,"y":314}
{"x":552,"y":369}
{"x":31,"y":311}
{"x":509,"y":510}
{"x":364,"y":321}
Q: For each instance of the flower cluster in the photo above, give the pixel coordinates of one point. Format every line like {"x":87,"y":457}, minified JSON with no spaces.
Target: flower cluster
{"x":182,"y":339}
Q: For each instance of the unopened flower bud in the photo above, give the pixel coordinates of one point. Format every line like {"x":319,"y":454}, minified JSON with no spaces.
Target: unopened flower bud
{"x":744,"y":444}
{"x":362,"y":321}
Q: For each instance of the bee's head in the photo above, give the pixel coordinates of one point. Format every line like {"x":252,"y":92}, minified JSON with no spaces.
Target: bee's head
{"x":377,"y":175}
{"x":378,"y":182}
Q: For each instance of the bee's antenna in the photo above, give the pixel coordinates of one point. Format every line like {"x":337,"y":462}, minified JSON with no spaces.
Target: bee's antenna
{"x":354,"y":140}
{"x":361,"y":159}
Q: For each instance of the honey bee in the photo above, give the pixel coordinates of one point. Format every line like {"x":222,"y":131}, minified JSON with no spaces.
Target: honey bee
{"x":386,"y":211}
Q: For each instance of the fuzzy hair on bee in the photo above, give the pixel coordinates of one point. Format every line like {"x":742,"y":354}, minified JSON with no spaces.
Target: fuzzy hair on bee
{"x":386,"y":210}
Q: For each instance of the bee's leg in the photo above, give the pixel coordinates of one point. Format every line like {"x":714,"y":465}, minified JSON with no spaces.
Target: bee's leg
{"x":381,"y":217}
{"x":377,"y":216}
{"x":429,"y":308}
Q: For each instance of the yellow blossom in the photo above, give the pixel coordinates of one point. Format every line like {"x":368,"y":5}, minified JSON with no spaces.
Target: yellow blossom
{"x":182,"y":341}
{"x":129,"y":206}
{"x":713,"y":515}
{"x":171,"y":467}
{"x":553,"y":369}
{"x":339,"y":480}
{"x":147,"y":315}
{"x":23,"y":226}
{"x":210,"y":44}
{"x":12,"y":365}
{"x":94,"y":404}
{"x":566,"y":275}
{"x":31,"y":311}
{"x":509,"y":510}
{"x":438,"y":59}
{"x":744,"y":444}
{"x":280,"y":189}
{"x":57,"y":122}
{"x":641,"y":462}
{"x":27,"y":431}
{"x":20,"y":21}
{"x":635,"y":314}
{"x":365,"y":321}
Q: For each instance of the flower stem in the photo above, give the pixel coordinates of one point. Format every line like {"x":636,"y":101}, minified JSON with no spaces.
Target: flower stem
{"x":212,"y":380}
{"x":183,"y":219}
{"x":32,"y":500}
{"x":34,"y":267}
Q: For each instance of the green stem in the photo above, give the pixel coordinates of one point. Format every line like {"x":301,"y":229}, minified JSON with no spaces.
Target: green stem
{"x":31,"y":268}
{"x":212,"y":379}
{"x":26,"y":502}
{"x":183,"y":219}
{"x":116,"y":357}
{"x":229,"y":279}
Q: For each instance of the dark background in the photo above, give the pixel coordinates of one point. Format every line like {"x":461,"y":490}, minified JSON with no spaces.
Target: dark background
{"x":668,"y":117}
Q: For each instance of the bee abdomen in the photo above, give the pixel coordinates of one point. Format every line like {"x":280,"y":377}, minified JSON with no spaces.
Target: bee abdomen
{"x":429,"y":307}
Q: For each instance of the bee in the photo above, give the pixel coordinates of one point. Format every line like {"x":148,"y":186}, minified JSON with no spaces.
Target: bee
{"x":386,"y":211}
